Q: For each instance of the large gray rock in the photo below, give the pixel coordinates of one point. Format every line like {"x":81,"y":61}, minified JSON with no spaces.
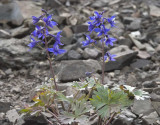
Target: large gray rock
{"x":142,"y":107}
{"x":122,"y":59}
{"x":10,"y":13}
{"x":15,"y":53}
{"x":12,"y":115}
{"x":75,"y":69}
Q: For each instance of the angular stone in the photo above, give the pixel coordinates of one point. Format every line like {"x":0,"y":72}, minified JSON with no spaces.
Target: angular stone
{"x":122,"y":59}
{"x":10,"y":13}
{"x":4,"y":34}
{"x":79,"y":28}
{"x":142,"y":107}
{"x":125,"y":41}
{"x":149,"y":84}
{"x":20,"y":32}
{"x":90,"y":53}
{"x":12,"y":115}
{"x":140,"y":63}
{"x":5,"y":106}
{"x":72,"y":54}
{"x":154,"y":11}
{"x":75,"y":69}
{"x":151,"y":118}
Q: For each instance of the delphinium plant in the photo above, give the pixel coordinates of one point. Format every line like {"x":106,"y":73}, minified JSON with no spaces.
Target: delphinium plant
{"x":98,"y":25}
{"x":92,"y":99}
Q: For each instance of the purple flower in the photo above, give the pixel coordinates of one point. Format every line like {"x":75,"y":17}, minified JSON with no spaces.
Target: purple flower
{"x":91,"y":26}
{"x":33,"y":43}
{"x":102,"y":30}
{"x":111,"y":21}
{"x":39,"y":32}
{"x":57,"y":38}
{"x":109,"y":40}
{"x":88,"y":41}
{"x":96,"y":18}
{"x":55,"y":50}
{"x":35,"y":19}
{"x":49,"y":21}
{"x":109,"y":57}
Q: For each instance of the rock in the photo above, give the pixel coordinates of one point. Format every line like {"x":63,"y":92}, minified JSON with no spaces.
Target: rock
{"x":137,"y":43}
{"x":149,"y":48}
{"x":149,"y":84}
{"x":10,"y":13}
{"x":90,"y":53}
{"x":119,"y":49}
{"x":154,"y":11}
{"x":75,"y":69}
{"x":16,"y":90}
{"x":67,"y":34}
{"x":123,"y":120}
{"x":142,"y":107}
{"x":122,"y":59}
{"x":5,"y":106}
{"x":156,"y":106}
{"x":28,"y":11}
{"x":125,"y":41}
{"x":8,"y":71}
{"x":72,"y":54}
{"x":12,"y":115}
{"x":132,"y":80}
{"x":143,"y":54}
{"x":152,"y":118}
{"x":158,"y":49}
{"x":20,"y":32}
{"x":53,"y":4}
{"x":100,"y":3}
{"x":64,"y":55}
{"x":4,"y":34}
{"x":140,"y":63}
{"x":135,"y":25}
{"x":15,"y":53}
{"x":32,"y":120}
{"x":79,"y":28}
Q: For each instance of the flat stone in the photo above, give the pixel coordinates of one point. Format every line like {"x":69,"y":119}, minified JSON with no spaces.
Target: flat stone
{"x":12,"y":115}
{"x":75,"y":69}
{"x":149,"y":84}
{"x":151,"y":118}
{"x":10,"y":13}
{"x":142,"y":107}
{"x":4,"y":34}
{"x":156,"y":106}
{"x":122,"y":59}
{"x":74,"y":55}
{"x":140,"y":63}
{"x":79,"y":28}
{"x":90,"y":53}
{"x":5,"y":106}
{"x":126,"y":41}
{"x":154,"y":11}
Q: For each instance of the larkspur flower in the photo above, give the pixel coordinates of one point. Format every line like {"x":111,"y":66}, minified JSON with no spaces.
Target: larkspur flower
{"x":91,"y":26}
{"x":33,"y":43}
{"x":88,"y":41}
{"x":109,"y":40}
{"x":109,"y":57}
{"x":102,"y":30}
{"x":55,"y":50}
{"x":39,"y":32}
{"x":96,"y":18}
{"x":57,"y":38}
{"x":49,"y":21}
{"x":35,"y":19}
{"x":111,"y":21}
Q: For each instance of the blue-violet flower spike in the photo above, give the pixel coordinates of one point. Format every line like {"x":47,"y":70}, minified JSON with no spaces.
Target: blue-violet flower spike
{"x":55,"y":50}
{"x":111,"y":21}
{"x":88,"y":41}
{"x":109,"y":41}
{"x":49,"y":21}
{"x":109,"y":57}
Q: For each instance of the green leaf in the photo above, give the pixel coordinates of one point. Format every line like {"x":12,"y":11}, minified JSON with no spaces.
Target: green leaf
{"x":107,"y":101}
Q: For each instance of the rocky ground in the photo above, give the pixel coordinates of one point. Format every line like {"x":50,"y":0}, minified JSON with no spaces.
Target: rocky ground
{"x":137,"y":49}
